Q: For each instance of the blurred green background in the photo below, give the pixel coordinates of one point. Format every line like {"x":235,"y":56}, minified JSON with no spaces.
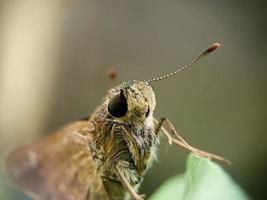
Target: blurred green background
{"x":54,"y":55}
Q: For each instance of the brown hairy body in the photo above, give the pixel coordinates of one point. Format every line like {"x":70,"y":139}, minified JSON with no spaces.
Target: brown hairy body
{"x":78,"y":161}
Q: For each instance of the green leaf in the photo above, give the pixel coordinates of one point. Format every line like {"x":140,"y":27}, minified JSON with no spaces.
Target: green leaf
{"x":203,"y":180}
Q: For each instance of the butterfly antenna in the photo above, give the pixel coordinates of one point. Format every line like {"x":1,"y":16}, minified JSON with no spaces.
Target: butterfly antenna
{"x":205,"y":53}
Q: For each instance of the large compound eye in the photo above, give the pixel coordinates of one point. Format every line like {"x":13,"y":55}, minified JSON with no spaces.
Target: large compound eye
{"x":117,"y":105}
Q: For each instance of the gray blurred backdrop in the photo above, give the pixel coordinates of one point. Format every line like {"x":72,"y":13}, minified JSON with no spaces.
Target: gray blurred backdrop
{"x":54,"y":54}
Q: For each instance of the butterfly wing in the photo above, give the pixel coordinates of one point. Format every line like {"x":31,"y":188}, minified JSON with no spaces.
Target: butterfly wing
{"x":59,"y":167}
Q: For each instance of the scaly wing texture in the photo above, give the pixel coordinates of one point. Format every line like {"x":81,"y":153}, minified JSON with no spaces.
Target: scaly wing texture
{"x":59,"y":167}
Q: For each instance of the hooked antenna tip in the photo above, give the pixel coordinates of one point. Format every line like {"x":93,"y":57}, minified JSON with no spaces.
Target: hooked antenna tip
{"x":213,"y":47}
{"x":205,"y":53}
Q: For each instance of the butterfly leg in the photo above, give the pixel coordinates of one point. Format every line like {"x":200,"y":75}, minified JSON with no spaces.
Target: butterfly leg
{"x":176,"y":138}
{"x":127,"y":185}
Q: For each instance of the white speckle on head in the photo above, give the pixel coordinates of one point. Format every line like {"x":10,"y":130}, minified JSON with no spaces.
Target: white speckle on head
{"x":32,"y":156}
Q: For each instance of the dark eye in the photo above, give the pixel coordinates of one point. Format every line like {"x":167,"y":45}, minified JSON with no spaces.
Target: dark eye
{"x":117,"y":105}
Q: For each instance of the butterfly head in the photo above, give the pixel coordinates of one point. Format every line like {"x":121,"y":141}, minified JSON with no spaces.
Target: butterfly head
{"x":132,"y":100}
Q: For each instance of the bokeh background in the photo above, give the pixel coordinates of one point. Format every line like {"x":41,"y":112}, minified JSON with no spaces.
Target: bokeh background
{"x":54,"y":55}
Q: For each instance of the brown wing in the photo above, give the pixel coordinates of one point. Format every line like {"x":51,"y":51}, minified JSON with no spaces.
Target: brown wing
{"x":59,"y":167}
